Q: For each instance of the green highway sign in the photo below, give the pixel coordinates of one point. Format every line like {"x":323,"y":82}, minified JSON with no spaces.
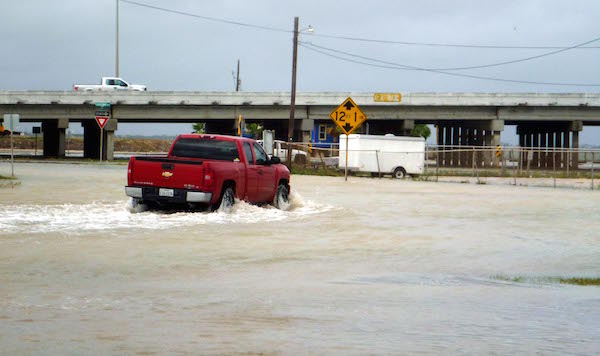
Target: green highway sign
{"x":102,"y":104}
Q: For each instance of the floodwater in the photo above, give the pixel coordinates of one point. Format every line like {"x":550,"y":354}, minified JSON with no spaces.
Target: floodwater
{"x":366,"y":266}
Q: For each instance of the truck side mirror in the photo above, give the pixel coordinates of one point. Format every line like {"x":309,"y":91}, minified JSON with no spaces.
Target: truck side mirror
{"x":275,"y":160}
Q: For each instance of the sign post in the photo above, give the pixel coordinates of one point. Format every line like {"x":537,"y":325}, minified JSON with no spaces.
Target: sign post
{"x":36,"y":131}
{"x":348,"y":117}
{"x":101,"y":120}
{"x":102,"y":117}
{"x":11,"y":123}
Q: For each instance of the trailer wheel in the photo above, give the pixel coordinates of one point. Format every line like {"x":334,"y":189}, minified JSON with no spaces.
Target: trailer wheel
{"x":282,"y":198}
{"x":399,"y":173}
{"x":227,"y":200}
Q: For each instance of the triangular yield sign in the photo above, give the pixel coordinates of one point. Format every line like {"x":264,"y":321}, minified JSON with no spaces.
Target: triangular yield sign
{"x":101,"y":120}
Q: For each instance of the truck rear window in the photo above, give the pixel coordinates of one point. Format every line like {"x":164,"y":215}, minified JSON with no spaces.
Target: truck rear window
{"x":205,"y":148}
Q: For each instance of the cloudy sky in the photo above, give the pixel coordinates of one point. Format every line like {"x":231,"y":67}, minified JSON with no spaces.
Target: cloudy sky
{"x":51,"y":44}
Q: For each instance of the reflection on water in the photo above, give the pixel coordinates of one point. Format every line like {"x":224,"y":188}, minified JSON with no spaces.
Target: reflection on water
{"x":364,"y":266}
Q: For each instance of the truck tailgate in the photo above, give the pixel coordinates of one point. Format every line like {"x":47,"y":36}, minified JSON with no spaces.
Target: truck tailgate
{"x":168,"y":173}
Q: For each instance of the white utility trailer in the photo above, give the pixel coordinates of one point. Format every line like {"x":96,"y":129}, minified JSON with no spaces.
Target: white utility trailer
{"x":389,"y":154}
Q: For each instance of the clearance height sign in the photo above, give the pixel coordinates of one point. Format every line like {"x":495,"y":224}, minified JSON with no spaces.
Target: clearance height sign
{"x":348,"y":116}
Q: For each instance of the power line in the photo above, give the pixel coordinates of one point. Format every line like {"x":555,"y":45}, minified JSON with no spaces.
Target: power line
{"x":413,"y":68}
{"x":434,"y":44}
{"x":476,"y":66}
{"x":349,"y":38}
{"x":215,"y":19}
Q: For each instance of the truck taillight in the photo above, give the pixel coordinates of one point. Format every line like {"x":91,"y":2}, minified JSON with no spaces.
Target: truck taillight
{"x":209,"y":178}
{"x":129,"y":171}
{"x":76,"y":88}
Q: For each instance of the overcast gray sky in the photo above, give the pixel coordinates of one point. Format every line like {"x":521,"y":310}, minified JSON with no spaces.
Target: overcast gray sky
{"x":51,"y":44}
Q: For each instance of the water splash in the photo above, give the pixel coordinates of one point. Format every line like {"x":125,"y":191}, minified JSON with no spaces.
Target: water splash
{"x":94,"y":216}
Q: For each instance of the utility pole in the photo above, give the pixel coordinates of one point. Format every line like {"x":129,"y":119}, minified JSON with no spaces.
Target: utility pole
{"x":237,"y":78}
{"x":240,"y":131}
{"x":117,"y":62}
{"x":293,"y":98}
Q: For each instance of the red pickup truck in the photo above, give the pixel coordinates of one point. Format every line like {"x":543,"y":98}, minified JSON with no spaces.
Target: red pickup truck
{"x":203,"y":170}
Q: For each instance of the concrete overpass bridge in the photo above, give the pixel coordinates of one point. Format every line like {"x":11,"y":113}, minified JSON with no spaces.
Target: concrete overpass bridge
{"x":471,"y":119}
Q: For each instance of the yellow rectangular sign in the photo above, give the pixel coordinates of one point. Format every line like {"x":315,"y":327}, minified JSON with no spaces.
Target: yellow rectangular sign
{"x":387,"y":97}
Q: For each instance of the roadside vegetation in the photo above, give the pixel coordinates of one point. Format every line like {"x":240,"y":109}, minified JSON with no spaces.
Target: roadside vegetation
{"x":122,"y":144}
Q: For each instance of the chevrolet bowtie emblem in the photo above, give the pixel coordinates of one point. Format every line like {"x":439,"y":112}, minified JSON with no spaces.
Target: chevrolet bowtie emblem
{"x":167,"y":174}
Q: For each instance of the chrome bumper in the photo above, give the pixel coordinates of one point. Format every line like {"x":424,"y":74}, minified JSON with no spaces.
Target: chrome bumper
{"x":179,"y":196}
{"x":133,"y":192}
{"x":198,"y":197}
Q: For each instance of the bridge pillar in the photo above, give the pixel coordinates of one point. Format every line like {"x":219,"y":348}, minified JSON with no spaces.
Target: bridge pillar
{"x":108,"y":145}
{"x":487,"y":142}
{"x":451,"y":135}
{"x":54,"y":137}
{"x":303,"y":128}
{"x":91,"y":139}
{"x":542,"y":138}
{"x":575,"y":127}
{"x":495,"y":143}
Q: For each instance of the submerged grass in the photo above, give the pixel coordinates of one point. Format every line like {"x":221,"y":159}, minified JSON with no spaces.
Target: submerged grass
{"x":579,"y":281}
{"x":9,"y":182}
{"x":316,"y":171}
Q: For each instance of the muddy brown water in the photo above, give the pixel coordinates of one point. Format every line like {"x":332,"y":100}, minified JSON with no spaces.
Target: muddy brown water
{"x":364,"y":266}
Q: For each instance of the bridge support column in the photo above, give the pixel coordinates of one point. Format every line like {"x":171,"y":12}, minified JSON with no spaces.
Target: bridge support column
{"x":54,"y":137}
{"x":488,"y":155}
{"x":448,"y":138}
{"x":108,"y":145}
{"x":464,"y":140}
{"x":448,"y":143}
{"x":464,"y":134}
{"x":303,"y":129}
{"x":567,"y":145}
{"x":91,"y":139}
{"x":541,"y":139}
{"x":575,"y":127}
{"x":495,"y":143}
{"x":455,"y":142}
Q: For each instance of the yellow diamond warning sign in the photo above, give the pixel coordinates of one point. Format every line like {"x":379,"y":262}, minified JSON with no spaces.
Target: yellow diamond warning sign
{"x":348,"y":116}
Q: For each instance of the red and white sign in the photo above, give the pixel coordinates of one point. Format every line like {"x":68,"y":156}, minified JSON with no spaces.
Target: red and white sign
{"x":101,"y":120}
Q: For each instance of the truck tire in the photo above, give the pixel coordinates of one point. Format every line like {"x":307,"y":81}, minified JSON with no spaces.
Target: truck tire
{"x":399,"y":173}
{"x":282,"y":198}
{"x":227,"y":200}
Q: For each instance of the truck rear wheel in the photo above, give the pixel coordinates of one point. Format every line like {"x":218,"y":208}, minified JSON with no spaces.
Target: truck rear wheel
{"x":282,"y":198}
{"x":227,"y":200}
{"x":399,"y":173}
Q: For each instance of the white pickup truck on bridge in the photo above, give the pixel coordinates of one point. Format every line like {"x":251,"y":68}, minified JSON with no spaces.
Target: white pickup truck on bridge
{"x":109,"y":84}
